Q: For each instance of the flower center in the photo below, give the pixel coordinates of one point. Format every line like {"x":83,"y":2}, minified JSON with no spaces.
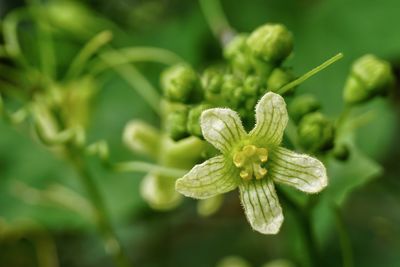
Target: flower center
{"x":249,"y":161}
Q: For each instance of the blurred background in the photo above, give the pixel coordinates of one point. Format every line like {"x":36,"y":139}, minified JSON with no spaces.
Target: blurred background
{"x":35,"y":230}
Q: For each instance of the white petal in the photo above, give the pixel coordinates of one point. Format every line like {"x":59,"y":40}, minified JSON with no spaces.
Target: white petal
{"x":271,"y":119}
{"x":222,"y":128}
{"x":298,"y":170}
{"x":261,"y":205}
{"x":214,"y":176}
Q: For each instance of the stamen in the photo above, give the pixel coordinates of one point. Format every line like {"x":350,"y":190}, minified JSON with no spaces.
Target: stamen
{"x":249,"y":160}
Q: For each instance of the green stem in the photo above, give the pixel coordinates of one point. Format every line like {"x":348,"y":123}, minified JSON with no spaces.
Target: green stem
{"x":303,"y":217}
{"x":87,"y":51}
{"x":217,"y":20}
{"x":309,"y":74}
{"x":140,"y":166}
{"x":135,"y":54}
{"x":111,"y":242}
{"x":344,"y":239}
{"x":131,"y":75}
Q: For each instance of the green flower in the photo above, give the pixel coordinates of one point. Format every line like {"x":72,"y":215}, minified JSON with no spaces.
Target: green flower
{"x":253,"y":162}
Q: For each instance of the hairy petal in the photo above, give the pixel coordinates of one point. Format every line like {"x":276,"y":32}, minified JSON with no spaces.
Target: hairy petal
{"x":271,"y":119}
{"x":222,"y":128}
{"x":261,"y":205}
{"x":214,"y":176}
{"x":301,"y":171}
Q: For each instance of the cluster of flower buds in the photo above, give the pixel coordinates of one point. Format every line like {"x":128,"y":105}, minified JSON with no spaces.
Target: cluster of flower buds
{"x":369,"y":77}
{"x":254,"y":64}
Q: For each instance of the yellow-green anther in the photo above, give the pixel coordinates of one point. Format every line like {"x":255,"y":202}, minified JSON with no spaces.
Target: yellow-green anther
{"x":303,"y":105}
{"x":369,"y":76}
{"x":249,"y":160}
{"x":181,"y":84}
{"x":271,"y":42}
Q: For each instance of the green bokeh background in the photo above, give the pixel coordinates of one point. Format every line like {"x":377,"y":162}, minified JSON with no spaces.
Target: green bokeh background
{"x":181,"y":238}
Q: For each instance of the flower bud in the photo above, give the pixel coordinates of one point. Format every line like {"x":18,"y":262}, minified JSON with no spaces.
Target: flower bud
{"x":233,"y":261}
{"x":369,"y":77}
{"x":316,"y":132}
{"x":207,"y":207}
{"x":181,"y":84}
{"x":142,"y":137}
{"x":278,"y":78}
{"x":252,"y":86}
{"x":212,"y":79}
{"x":193,"y":123}
{"x":236,"y":53}
{"x":341,"y":152}
{"x":176,"y":122}
{"x":303,"y":105}
{"x":271,"y":42}
{"x":232,"y":91}
{"x":159,"y":191}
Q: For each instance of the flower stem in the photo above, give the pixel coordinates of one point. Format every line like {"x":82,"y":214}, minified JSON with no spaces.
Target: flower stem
{"x":303,"y":217}
{"x":140,"y":166}
{"x":217,"y":20}
{"x":345,"y":244}
{"x":309,"y":74}
{"x":111,"y":242}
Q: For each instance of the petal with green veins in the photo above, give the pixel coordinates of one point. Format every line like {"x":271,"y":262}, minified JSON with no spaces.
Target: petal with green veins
{"x":261,"y":205}
{"x":298,"y":170}
{"x":271,"y":119}
{"x":222,"y":128}
{"x":214,"y":176}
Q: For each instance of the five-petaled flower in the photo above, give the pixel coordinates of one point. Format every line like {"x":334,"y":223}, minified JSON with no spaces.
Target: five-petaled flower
{"x":253,"y":162}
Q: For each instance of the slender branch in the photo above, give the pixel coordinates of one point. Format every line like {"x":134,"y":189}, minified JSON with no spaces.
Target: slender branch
{"x":142,"y":86}
{"x":135,"y":54}
{"x":303,"y":217}
{"x":217,"y":20}
{"x":86,"y":52}
{"x":139,"y":166}
{"x":309,"y":74}
{"x":344,"y":239}
{"x":111,"y":242}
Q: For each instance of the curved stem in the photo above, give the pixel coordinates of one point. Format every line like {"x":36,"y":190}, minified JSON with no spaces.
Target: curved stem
{"x":344,"y":239}
{"x":217,"y":20}
{"x":111,"y":242}
{"x":135,"y":54}
{"x":303,"y":217}
{"x":86,"y":52}
{"x":142,"y":86}
{"x":140,"y":166}
{"x":309,"y":74}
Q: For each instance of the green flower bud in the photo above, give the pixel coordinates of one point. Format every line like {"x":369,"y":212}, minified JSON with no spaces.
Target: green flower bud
{"x":278,"y":78}
{"x":212,"y":79}
{"x":236,"y":53}
{"x":279,"y":263}
{"x":233,"y":261}
{"x":369,"y":77}
{"x":252,"y":86}
{"x":316,"y":132}
{"x":159,"y":191}
{"x":207,"y":207}
{"x":341,"y":152}
{"x":142,"y":137}
{"x":271,"y":42}
{"x":232,"y":91}
{"x":193,"y":123}
{"x":303,"y":105}
{"x":176,"y":122}
{"x":181,"y":84}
